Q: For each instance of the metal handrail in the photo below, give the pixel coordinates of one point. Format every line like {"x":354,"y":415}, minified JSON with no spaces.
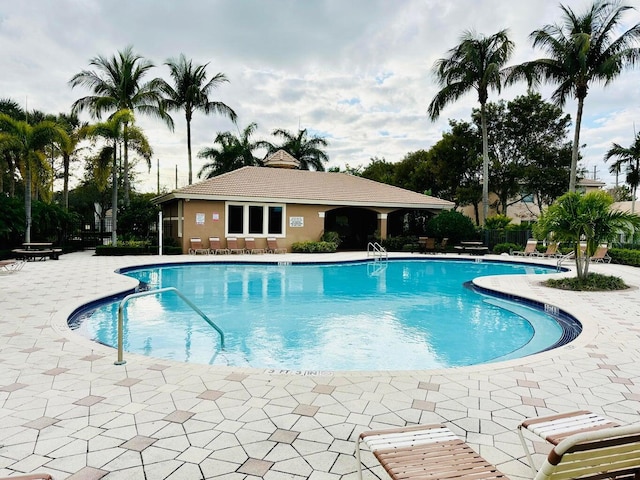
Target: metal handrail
{"x":374,"y":248}
{"x":123,"y":302}
{"x":561,"y":259}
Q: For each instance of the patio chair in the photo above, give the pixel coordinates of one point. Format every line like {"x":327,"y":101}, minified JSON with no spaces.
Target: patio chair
{"x":529,"y":250}
{"x":11,"y":266}
{"x":29,"y":476}
{"x":552,"y":250}
{"x":443,"y":245}
{"x":232,"y":245}
{"x":272,"y":246}
{"x":250,"y":246}
{"x":215,"y":246}
{"x":196,"y":247}
{"x":434,"y":452}
{"x":601,"y":255}
{"x":427,"y":244}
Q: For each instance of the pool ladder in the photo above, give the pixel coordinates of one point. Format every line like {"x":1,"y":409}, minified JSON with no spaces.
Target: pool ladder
{"x":145,"y":293}
{"x":377,"y":251}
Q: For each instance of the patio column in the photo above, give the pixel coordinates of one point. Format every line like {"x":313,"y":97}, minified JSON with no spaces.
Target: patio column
{"x":382,"y":225}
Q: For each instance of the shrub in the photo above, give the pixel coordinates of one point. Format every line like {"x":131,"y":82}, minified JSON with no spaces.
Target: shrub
{"x":593,"y":282}
{"x":453,"y":225}
{"x":333,"y":237}
{"x":497,"y":222}
{"x":506,"y":248}
{"x":314,"y":247}
{"x":400,"y":244}
{"x":625,"y":256}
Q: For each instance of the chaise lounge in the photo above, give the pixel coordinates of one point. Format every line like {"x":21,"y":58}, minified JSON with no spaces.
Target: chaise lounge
{"x":433,"y":452}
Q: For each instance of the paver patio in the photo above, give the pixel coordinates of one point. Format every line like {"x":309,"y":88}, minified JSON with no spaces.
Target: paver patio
{"x":66,"y":409}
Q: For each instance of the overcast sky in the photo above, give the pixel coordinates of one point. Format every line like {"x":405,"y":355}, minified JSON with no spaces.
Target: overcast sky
{"x":357,"y":72}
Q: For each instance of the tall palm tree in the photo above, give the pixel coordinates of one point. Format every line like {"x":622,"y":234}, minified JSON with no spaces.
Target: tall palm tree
{"x":29,"y":142}
{"x":582,"y":49}
{"x":232,"y":152}
{"x":190,"y":92}
{"x":113,"y":132}
{"x":475,"y":64}
{"x":308,"y":151}
{"x":76,"y":133}
{"x":631,"y":157}
{"x":117,"y":84}
{"x":7,"y":154}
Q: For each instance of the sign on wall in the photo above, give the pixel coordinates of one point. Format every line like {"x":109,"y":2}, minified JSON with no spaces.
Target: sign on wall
{"x":296,"y":222}
{"x":215,"y":217}
{"x":199,"y":218}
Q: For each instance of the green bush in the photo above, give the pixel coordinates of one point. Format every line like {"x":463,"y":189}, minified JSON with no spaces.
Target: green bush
{"x":452,"y":225}
{"x":497,"y":222}
{"x":625,"y":256}
{"x":593,"y":282}
{"x":400,"y":244}
{"x":333,"y":237}
{"x":506,"y":248}
{"x":130,"y":247}
{"x":314,"y":247}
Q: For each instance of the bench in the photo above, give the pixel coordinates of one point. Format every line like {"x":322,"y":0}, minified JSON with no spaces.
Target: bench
{"x":473,"y":250}
{"x":32,"y":255}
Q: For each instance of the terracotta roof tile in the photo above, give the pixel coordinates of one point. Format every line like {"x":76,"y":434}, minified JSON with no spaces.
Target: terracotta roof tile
{"x":304,"y":186}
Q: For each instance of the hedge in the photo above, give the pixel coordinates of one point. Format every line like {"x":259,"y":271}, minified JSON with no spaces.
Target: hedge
{"x":625,"y":256}
{"x":314,"y":247}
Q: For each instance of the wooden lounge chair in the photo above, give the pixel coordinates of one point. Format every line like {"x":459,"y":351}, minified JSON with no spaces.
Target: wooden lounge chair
{"x":232,"y":245}
{"x":433,"y":452}
{"x":552,"y":250}
{"x":529,"y":250}
{"x":272,"y":246}
{"x":427,"y":244}
{"x":250,"y":246}
{"x":601,"y":255}
{"x":215,"y":246}
{"x":29,"y":476}
{"x":196,"y":247}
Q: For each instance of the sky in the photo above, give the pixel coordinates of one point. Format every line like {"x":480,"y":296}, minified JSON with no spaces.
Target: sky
{"x":357,"y":72}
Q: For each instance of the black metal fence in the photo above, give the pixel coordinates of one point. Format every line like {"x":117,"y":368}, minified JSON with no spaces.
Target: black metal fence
{"x":519,"y":237}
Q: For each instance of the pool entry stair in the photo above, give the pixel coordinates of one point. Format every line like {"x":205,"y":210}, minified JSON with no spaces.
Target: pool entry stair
{"x":145,"y":293}
{"x":377,"y":251}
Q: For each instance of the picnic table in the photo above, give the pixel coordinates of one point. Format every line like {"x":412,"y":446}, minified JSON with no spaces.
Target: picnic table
{"x":474,"y":248}
{"x":32,"y":251}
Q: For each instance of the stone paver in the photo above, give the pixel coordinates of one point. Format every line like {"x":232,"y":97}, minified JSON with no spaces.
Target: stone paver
{"x":68,"y":410}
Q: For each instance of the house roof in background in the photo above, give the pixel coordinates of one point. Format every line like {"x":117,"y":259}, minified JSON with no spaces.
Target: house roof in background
{"x":260,"y":184}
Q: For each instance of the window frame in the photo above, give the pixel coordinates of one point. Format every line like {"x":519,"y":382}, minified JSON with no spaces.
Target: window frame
{"x":265,"y":219}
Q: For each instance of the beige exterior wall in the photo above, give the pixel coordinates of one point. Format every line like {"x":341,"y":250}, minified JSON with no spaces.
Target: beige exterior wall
{"x":206,"y":218}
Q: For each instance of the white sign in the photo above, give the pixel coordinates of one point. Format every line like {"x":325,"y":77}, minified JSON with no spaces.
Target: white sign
{"x":199,"y":218}
{"x":296,"y":222}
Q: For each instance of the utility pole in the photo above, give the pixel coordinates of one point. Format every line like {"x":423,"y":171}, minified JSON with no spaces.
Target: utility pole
{"x":158,"y":163}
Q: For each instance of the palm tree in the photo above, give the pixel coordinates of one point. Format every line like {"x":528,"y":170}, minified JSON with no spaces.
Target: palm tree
{"x":474,"y":64}
{"x":117,"y":84}
{"x":29,"y":143}
{"x":588,"y":218}
{"x":190,"y":92}
{"x":630,"y":156}
{"x":308,"y":151}
{"x":7,"y":154}
{"x":582,"y":50}
{"x":232,"y":153}
{"x":113,"y":131}
{"x":76,"y":132}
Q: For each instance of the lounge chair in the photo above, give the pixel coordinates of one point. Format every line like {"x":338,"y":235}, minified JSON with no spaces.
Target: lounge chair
{"x":552,"y":251}
{"x":427,"y":244}
{"x":601,"y":255}
{"x":443,"y":245}
{"x":434,"y":452}
{"x":29,"y":476}
{"x":272,"y":246}
{"x":232,"y":245}
{"x":529,"y":250}
{"x":196,"y":247}
{"x":215,"y":246}
{"x":250,"y":246}
{"x":11,"y":266}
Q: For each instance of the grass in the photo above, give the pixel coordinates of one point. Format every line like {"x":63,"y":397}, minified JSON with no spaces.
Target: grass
{"x":594,"y":282}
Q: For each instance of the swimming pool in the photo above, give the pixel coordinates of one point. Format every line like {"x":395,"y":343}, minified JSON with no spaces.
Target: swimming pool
{"x":395,"y":315}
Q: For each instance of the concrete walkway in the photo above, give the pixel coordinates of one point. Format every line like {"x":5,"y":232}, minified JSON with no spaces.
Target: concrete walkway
{"x":66,"y":409}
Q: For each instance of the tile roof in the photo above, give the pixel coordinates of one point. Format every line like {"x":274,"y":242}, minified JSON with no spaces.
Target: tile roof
{"x":262,"y":184}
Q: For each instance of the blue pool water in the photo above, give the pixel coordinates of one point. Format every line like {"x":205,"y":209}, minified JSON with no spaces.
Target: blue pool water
{"x":394,"y":315}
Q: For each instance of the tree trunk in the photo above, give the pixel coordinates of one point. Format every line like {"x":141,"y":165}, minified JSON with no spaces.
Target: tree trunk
{"x":27,"y":201}
{"x":65,"y":189}
{"x":189,"y":150}
{"x":114,"y":197}
{"x":576,"y":147}
{"x":485,"y":164}
{"x":125,"y":170}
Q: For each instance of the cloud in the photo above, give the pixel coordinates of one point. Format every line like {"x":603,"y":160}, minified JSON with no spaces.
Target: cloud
{"x":357,"y":71}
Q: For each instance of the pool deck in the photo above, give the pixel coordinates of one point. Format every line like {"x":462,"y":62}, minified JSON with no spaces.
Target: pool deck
{"x":66,"y":409}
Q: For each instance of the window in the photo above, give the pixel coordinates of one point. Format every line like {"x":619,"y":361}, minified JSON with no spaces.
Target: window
{"x":255,"y":219}
{"x":235,"y":219}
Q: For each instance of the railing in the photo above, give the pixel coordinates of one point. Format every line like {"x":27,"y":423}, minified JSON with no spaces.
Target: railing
{"x":561,"y":259}
{"x":124,"y":301}
{"x":377,"y":251}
